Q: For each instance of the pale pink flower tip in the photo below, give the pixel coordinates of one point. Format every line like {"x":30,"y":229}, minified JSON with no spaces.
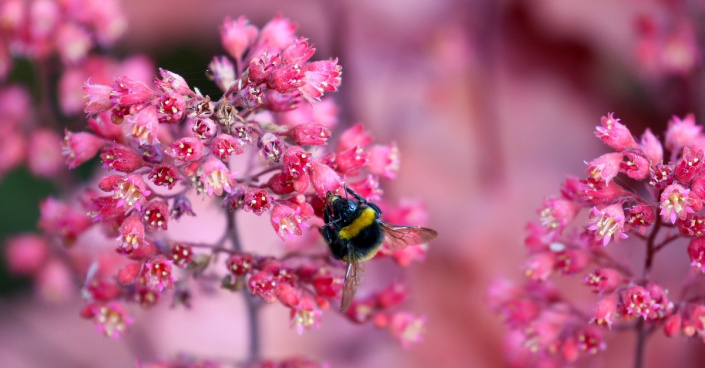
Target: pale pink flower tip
{"x":615,"y":134}
{"x":682,"y":132}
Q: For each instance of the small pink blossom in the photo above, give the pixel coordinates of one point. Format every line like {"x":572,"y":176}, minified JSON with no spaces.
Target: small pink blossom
{"x":406,"y":328}
{"x":156,"y":274}
{"x":78,"y":148}
{"x":540,"y":266}
{"x":305,"y":315}
{"x":111,"y":318}
{"x":635,"y":164}
{"x":651,"y":147}
{"x":324,"y":179}
{"x":606,"y":311}
{"x":216,"y":177}
{"x":142,"y":126}
{"x":607,"y":223}
{"x":605,"y":167}
{"x":44,"y":153}
{"x":614,"y":134}
{"x":25,"y":254}
{"x":676,"y":202}
{"x":696,"y":251}
{"x":682,"y":132}
{"x":384,"y":160}
{"x":557,"y":213}
{"x":690,"y":165}
{"x":603,"y":280}
{"x":287,"y":221}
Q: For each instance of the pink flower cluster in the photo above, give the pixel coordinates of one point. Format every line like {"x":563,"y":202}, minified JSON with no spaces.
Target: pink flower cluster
{"x":162,"y":143}
{"x":547,"y":326}
{"x":36,"y":29}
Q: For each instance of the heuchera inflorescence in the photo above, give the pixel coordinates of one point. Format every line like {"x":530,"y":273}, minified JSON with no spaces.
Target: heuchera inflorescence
{"x":164,"y":144}
{"x":547,"y":327}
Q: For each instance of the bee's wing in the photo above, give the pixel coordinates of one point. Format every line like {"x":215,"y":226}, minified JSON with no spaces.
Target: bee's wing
{"x":400,"y":236}
{"x":353,"y":277}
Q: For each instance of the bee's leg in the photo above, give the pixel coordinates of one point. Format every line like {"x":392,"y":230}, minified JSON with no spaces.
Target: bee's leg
{"x":357,"y":196}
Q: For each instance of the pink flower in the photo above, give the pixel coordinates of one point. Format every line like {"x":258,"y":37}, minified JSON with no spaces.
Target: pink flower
{"x":181,"y":255}
{"x":171,"y":108}
{"x":640,"y":216}
{"x":142,"y":126}
{"x":58,"y":218}
{"x":73,"y":43}
{"x":309,"y":134}
{"x":605,"y":167}
{"x":324,"y":179}
{"x":614,"y":134}
{"x":263,"y":284}
{"x":682,"y":133}
{"x":45,"y":153}
{"x":690,"y":165}
{"x":676,"y":202}
{"x":216,"y":177}
{"x":224,"y":72}
{"x":165,"y":175}
{"x":258,"y":201}
{"x":240,"y":264}
{"x":172,"y":82}
{"x":651,"y":147}
{"x":237,"y":36}
{"x":305,"y":316}
{"x":98,"y":96}
{"x":78,"y":148}
{"x":320,"y":77}
{"x":603,"y":280}
{"x":131,"y":235}
{"x":607,"y":223}
{"x":156,"y":274}
{"x":355,"y":136}
{"x":288,"y":221}
{"x":540,"y":266}
{"x":127,"y":92}
{"x":696,"y":251}
{"x":673,"y":324}
{"x":635,"y":164}
{"x":156,"y":215}
{"x":638,"y":302}
{"x":186,"y":149}
{"x":606,"y":311}
{"x":277,"y":34}
{"x":384,"y":160}
{"x":557,"y":213}
{"x":131,"y":192}
{"x":25,"y":254}
{"x":406,"y":328}
{"x":111,"y":318}
{"x":120,"y":158}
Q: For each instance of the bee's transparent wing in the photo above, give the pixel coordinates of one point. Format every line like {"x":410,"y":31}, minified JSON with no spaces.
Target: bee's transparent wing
{"x":400,"y":236}
{"x":353,"y":277}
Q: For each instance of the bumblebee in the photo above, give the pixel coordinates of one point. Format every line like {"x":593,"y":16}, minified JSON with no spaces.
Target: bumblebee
{"x":355,"y":233}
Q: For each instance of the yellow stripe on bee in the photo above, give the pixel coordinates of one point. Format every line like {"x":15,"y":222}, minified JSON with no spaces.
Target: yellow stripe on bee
{"x":366,"y":218}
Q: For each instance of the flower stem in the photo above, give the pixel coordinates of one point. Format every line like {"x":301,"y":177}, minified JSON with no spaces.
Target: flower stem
{"x":252,"y":308}
{"x":640,"y":344}
{"x":641,"y":333}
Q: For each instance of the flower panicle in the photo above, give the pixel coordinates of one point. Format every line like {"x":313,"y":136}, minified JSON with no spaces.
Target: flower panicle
{"x":564,"y":242}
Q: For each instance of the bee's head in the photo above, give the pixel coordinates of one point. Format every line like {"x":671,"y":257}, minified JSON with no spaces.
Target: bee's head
{"x":340,"y":207}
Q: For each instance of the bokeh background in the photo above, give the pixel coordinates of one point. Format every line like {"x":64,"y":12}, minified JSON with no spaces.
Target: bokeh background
{"x":491,"y":103}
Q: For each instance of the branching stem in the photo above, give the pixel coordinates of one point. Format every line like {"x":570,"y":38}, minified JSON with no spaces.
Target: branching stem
{"x":252,"y":308}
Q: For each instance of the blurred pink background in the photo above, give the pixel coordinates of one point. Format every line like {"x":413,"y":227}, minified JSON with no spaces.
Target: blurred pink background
{"x":491,"y":103}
